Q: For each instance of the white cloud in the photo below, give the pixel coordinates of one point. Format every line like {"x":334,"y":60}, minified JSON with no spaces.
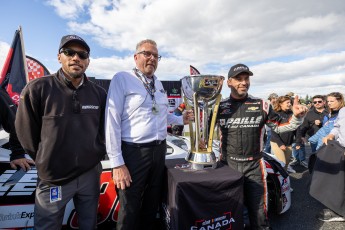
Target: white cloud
{"x":290,"y":45}
{"x":4,"y":47}
{"x":69,"y":9}
{"x":315,"y":24}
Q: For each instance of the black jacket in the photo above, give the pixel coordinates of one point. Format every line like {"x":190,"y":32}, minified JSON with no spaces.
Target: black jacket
{"x":308,"y":126}
{"x":286,"y":138}
{"x":7,"y":117}
{"x":61,"y":127}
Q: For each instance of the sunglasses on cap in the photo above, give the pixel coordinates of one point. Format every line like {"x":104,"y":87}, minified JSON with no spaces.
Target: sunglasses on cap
{"x":70,"y":53}
{"x":317,"y":102}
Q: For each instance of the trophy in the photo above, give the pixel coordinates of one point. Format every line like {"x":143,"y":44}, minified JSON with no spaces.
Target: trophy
{"x":202,"y":92}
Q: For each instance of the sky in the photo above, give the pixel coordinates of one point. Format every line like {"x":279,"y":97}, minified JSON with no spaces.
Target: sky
{"x":290,"y":46}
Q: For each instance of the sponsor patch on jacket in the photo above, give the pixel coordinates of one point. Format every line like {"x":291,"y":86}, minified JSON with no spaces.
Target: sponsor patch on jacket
{"x":90,"y":107}
{"x":226,"y":111}
{"x":253,"y":108}
{"x":243,"y":122}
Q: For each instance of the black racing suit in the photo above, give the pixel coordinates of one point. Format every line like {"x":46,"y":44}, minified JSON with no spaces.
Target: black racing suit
{"x":242,"y":129}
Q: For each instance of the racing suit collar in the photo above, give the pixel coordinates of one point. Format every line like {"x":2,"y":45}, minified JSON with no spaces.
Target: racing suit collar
{"x":239,"y":100}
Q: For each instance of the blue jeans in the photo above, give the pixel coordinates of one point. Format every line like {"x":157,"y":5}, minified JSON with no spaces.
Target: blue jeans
{"x":313,"y":147}
{"x":267,"y":147}
{"x":298,"y":154}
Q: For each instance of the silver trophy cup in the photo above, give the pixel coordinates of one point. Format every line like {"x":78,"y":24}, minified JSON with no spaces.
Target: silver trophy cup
{"x":202,"y":93}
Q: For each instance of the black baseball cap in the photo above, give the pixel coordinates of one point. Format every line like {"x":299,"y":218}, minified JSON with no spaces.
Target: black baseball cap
{"x":237,"y":69}
{"x":73,"y":38}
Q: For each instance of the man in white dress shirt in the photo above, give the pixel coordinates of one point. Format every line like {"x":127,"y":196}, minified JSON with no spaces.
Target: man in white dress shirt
{"x":136,"y":127}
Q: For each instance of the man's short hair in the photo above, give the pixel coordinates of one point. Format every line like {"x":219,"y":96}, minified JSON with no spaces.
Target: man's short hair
{"x":290,"y":94}
{"x":272,"y":95}
{"x":150,"y":41}
{"x":319,"y":96}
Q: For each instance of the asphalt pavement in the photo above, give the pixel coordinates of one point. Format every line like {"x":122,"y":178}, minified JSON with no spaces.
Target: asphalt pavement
{"x":304,"y":208}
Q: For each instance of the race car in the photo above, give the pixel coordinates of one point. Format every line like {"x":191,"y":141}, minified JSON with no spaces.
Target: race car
{"x":17,"y":189}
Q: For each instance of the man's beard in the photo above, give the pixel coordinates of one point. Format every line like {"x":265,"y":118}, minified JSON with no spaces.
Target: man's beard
{"x":76,"y":76}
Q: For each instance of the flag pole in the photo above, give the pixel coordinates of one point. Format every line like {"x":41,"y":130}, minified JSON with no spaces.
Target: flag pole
{"x":24,"y":56}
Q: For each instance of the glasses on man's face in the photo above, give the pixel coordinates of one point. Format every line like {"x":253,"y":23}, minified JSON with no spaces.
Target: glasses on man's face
{"x":70,"y":53}
{"x":317,"y":102}
{"x":148,"y":54}
{"x":76,"y":103}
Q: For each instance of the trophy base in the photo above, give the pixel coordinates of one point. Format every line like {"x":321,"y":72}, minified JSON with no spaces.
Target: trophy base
{"x":200,"y":161}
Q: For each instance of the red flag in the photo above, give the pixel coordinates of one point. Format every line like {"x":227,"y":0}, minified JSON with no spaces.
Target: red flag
{"x":13,"y":74}
{"x":193,"y":70}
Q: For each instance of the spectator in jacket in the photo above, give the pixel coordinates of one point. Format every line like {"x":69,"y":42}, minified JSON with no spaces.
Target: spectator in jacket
{"x":273,"y":99}
{"x":281,"y":143}
{"x":335,"y":102}
{"x":7,"y":117}
{"x":338,"y":131}
{"x":311,"y":124}
{"x":312,"y":121}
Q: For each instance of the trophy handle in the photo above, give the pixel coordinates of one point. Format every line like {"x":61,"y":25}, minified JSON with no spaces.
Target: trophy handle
{"x":190,"y":124}
{"x":197,"y":122}
{"x":213,"y":123}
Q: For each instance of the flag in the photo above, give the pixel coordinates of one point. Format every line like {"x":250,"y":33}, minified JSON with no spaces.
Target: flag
{"x":193,"y":70}
{"x":13,"y":74}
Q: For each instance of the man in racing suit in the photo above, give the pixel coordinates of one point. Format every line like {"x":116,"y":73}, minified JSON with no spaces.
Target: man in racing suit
{"x":241,"y":119}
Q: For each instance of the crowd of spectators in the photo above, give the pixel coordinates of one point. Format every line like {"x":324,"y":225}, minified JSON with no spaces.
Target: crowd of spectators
{"x":315,"y":130}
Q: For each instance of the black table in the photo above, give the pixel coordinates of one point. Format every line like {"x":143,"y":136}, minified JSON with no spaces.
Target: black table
{"x":204,"y":199}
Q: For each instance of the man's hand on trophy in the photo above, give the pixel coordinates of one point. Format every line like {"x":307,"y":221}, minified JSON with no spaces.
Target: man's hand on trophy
{"x":188,"y":116}
{"x":202,"y":144}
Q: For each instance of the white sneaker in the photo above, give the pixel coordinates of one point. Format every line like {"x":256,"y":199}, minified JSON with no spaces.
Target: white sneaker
{"x":290,"y":169}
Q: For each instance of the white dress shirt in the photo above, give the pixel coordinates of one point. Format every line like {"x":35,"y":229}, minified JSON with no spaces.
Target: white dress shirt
{"x":129,"y":115}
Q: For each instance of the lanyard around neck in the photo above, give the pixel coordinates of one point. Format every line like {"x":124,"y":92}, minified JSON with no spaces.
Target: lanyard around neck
{"x":149,"y":86}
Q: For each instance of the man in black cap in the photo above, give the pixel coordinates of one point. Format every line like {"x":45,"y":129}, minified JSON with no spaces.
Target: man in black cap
{"x":60,"y":124}
{"x":241,"y":118}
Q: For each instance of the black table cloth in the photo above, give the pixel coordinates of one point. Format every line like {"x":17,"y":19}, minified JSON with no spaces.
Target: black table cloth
{"x":203,"y":199}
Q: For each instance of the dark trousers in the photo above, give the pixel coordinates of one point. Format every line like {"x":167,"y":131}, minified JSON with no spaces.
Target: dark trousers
{"x":139,"y":203}
{"x":255,"y":191}
{"x":84,"y":190}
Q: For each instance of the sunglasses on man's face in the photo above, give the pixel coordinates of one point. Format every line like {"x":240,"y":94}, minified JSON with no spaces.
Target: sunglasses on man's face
{"x":317,"y":102}
{"x":70,"y":53}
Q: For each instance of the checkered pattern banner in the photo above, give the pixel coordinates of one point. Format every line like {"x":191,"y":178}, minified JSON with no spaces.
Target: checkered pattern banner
{"x":35,"y":68}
